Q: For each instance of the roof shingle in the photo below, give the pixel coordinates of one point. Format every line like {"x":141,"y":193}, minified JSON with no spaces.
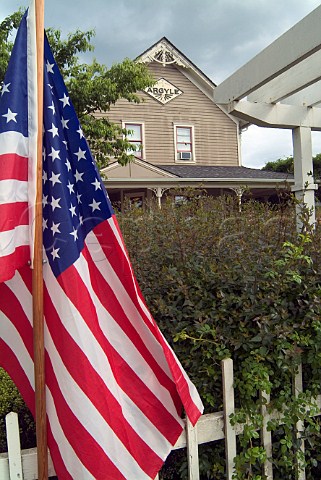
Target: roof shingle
{"x":204,"y":171}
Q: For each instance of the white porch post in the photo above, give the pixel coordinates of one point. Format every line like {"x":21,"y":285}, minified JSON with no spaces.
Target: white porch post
{"x":239,"y":193}
{"x":159,"y":194}
{"x":303,"y":173}
{"x":159,"y":191}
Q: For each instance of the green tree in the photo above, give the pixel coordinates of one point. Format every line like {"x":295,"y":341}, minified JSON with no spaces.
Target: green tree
{"x":285,"y":165}
{"x":93,"y":87}
{"x":317,"y":166}
{"x":7,"y":26}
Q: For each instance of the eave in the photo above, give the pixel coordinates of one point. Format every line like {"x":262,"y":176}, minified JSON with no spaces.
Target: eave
{"x":259,"y":183}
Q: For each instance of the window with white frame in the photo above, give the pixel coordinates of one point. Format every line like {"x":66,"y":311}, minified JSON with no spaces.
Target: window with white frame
{"x":184,"y":143}
{"x":135,"y":137}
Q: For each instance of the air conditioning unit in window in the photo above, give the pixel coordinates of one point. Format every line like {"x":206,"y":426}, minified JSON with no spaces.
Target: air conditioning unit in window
{"x":185,"y":155}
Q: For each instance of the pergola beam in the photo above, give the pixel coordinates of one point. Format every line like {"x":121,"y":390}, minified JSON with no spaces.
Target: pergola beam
{"x":297,"y":78}
{"x":308,"y":97}
{"x":298,"y":43}
{"x":277,"y":116}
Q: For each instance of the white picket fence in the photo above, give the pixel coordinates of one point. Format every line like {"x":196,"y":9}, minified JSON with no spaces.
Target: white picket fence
{"x":22,"y":465}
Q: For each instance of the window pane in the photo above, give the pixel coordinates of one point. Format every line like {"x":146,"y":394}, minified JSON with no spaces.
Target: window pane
{"x":138,"y":151}
{"x":184,"y":147}
{"x":136,"y":132}
{"x":183,"y":139}
{"x":183,"y":135}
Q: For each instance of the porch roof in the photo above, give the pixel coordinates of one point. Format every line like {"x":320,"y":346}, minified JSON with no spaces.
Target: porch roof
{"x":210,"y":171}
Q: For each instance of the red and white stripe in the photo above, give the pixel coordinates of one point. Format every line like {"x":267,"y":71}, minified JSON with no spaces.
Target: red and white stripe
{"x":114,"y":387}
{"x":14,"y":209}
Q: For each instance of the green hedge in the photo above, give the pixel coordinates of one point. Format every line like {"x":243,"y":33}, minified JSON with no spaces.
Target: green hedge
{"x":11,"y":401}
{"x":223,"y":283}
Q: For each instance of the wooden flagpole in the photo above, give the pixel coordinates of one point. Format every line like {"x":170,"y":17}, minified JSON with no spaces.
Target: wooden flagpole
{"x":37,"y":279}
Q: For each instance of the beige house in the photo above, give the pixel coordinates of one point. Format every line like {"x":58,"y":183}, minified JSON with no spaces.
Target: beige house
{"x":183,"y":138}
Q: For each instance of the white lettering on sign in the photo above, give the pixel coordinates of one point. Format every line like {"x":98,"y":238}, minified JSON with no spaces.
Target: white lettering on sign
{"x":163,"y":91}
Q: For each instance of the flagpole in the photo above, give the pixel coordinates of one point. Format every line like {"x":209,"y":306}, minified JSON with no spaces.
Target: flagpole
{"x":37,"y":278}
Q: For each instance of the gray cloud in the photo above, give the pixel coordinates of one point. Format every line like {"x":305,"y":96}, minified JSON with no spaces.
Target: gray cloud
{"x":219,"y":36}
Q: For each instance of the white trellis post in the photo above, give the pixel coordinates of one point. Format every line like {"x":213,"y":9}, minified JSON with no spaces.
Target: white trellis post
{"x":303,"y":173}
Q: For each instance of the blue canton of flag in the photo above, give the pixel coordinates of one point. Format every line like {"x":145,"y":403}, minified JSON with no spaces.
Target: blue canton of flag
{"x":14,"y":97}
{"x":74,"y":198}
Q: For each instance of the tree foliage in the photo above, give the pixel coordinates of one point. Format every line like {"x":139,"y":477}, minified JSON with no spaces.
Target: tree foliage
{"x":93,"y":87}
{"x":286,"y":165}
{"x":7,"y":26}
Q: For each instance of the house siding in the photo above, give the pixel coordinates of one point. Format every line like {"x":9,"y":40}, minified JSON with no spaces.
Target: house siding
{"x":215,"y":133}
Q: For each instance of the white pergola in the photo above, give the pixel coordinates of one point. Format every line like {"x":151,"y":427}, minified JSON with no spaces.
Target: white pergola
{"x":281,"y":88}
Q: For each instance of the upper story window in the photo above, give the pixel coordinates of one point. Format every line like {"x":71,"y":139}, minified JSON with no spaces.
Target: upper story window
{"x":135,"y":137}
{"x":184,"y":143}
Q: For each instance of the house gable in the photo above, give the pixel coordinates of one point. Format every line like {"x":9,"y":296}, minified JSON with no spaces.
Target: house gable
{"x":135,"y":169}
{"x":214,"y":134}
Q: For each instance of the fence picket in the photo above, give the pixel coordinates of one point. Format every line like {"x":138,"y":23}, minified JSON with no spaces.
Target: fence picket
{"x":266,"y":437}
{"x":14,"y":450}
{"x":298,"y":388}
{"x":192,"y":451}
{"x":229,"y":408}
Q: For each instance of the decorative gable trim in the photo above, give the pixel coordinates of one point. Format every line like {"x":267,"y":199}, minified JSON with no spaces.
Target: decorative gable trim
{"x":162,"y":53}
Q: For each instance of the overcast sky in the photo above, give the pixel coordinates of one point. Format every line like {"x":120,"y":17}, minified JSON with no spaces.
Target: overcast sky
{"x":218,"y":36}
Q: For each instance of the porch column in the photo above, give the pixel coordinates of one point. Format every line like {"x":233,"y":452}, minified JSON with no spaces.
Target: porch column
{"x":239,"y":193}
{"x":159,"y":193}
{"x":122,"y":200}
{"x":304,"y":186}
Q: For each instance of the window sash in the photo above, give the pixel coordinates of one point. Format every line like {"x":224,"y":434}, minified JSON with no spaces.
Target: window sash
{"x":184,"y":141}
{"x":135,"y":137}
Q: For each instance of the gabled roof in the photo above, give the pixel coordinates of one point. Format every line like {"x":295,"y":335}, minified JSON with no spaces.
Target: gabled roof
{"x":178,"y":57}
{"x":137,"y":168}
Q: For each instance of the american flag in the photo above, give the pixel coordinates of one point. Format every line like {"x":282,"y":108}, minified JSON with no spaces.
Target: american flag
{"x":114,"y":388}
{"x":17,"y":137}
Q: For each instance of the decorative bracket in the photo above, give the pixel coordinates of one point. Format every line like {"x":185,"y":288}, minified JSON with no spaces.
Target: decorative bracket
{"x":159,"y":191}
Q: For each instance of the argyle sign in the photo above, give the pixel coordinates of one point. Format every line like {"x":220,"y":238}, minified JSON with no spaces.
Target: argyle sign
{"x":163,"y":91}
